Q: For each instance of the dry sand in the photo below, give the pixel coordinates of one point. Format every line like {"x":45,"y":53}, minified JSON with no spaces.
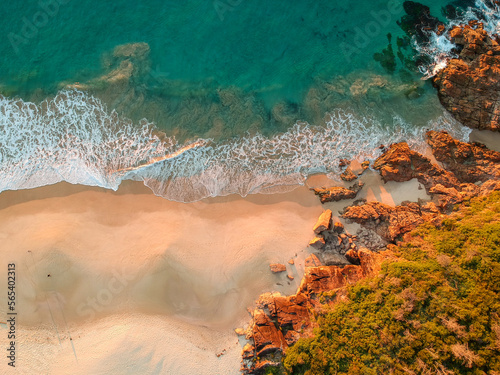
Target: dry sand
{"x":126,"y":282}
{"x":142,"y":284}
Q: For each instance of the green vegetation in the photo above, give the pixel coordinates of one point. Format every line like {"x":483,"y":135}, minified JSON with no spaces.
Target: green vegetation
{"x":433,"y":311}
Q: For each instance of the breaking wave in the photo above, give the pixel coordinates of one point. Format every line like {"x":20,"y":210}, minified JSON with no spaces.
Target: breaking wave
{"x":74,"y":138}
{"x":440,"y":49}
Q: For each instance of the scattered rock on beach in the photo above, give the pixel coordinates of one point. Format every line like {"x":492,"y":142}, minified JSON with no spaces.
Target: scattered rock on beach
{"x":348,"y":175}
{"x":337,"y":193}
{"x":277,"y":267}
{"x":323,"y":222}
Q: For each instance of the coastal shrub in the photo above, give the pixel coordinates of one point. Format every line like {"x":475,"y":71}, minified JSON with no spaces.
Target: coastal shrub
{"x":434,"y":310}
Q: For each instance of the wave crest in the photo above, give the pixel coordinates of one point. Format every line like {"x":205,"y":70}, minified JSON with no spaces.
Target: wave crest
{"x":74,"y":138}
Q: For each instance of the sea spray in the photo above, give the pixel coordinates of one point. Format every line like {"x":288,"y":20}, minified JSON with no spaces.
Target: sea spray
{"x":74,"y":138}
{"x":440,"y":49}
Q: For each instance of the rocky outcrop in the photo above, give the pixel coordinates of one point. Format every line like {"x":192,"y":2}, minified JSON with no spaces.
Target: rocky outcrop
{"x":447,"y":197}
{"x":468,"y":86}
{"x":332,"y":242}
{"x":400,"y":163}
{"x":467,"y":165}
{"x":418,"y":21}
{"x":326,"y":278}
{"x":469,"y":162}
{"x":279,"y":321}
{"x":336,"y":193}
{"x":340,"y":259}
{"x":266,"y":337}
{"x":387,"y":221}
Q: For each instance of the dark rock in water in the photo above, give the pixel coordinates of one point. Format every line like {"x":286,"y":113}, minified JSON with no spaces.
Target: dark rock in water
{"x":418,"y":21}
{"x":386,"y":58}
{"x":468,"y":86}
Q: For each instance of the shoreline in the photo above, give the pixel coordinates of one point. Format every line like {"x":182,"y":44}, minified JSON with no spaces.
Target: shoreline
{"x":202,"y":281}
{"x":194,"y":280}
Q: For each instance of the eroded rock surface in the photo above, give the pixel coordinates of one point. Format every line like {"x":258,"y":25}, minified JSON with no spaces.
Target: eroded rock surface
{"x":469,"y":162}
{"x":279,"y":321}
{"x":337,"y":193}
{"x":469,"y":86}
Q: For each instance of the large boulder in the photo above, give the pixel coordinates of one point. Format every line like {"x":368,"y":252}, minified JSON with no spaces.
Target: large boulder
{"x":469,"y":162}
{"x":468,"y":86}
{"x":267,"y":338}
{"x":323,"y":222}
{"x":387,"y":221}
{"x":337,"y":193}
{"x":399,"y":163}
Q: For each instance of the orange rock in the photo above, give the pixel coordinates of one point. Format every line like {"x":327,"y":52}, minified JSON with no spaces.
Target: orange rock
{"x":312,"y":261}
{"x":469,"y":162}
{"x":389,"y":222}
{"x":348,"y":175}
{"x":267,"y":338}
{"x":317,"y":242}
{"x":277,"y":267}
{"x":337,"y":193}
{"x":468,"y":86}
{"x":323,"y":222}
{"x":400,"y":163}
{"x":240,"y":331}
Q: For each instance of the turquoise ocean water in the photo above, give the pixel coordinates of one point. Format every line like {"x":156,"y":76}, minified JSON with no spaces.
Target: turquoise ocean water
{"x":202,"y":98}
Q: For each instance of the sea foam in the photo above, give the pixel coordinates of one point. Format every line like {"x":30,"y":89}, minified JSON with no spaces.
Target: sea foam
{"x":74,"y":138}
{"x":439,"y":49}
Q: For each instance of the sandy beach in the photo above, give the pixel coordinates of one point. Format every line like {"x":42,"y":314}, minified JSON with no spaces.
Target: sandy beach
{"x":168,"y":281}
{"x":127,"y":282}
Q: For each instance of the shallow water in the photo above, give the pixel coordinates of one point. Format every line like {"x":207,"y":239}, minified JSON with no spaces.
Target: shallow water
{"x":262,"y":94}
